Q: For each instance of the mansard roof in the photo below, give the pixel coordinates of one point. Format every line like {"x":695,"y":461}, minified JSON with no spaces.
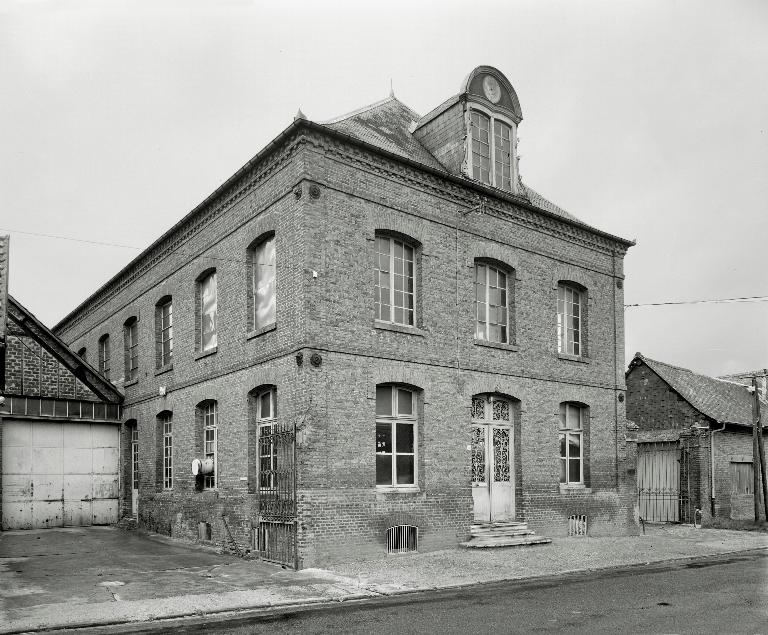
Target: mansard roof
{"x":720,"y":400}
{"x":30,"y":325}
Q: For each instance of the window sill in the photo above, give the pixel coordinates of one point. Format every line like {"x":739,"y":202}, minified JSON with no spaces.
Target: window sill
{"x":398,"y":328}
{"x":164,"y":369}
{"x":389,"y":489}
{"x":574,"y":358}
{"x":574,"y":488}
{"x":264,"y":329}
{"x":130,"y":383}
{"x":210,"y":351}
{"x":499,"y":345}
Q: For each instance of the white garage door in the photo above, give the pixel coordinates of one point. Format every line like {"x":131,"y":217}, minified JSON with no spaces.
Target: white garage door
{"x":59,"y":474}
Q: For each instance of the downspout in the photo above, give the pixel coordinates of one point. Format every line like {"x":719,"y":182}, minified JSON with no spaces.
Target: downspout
{"x":712,"y":468}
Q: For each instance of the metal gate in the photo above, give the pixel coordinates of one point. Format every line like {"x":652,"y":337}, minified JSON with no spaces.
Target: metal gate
{"x":275,"y":536}
{"x":658,"y":481}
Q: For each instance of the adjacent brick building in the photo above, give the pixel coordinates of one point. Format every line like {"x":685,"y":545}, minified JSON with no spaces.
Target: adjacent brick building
{"x":694,"y":442}
{"x":446,"y":344}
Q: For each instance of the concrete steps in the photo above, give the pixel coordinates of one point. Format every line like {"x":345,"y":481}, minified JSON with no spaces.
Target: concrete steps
{"x":502,"y":534}
{"x":127,"y":523}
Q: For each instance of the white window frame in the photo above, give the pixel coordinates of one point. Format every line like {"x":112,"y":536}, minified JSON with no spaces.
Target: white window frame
{"x":135,"y":456}
{"x":392,"y":421}
{"x":485,"y":336}
{"x":210,"y":414}
{"x":391,"y":275}
{"x":266,"y":424}
{"x":166,"y":332}
{"x":565,"y":430}
{"x":210,"y":280}
{"x":567,"y":334}
{"x":167,"y":422}
{"x":493,"y":117}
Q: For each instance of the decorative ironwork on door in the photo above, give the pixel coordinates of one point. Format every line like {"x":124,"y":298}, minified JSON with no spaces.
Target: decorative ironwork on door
{"x":275,"y":538}
{"x":663,"y":481}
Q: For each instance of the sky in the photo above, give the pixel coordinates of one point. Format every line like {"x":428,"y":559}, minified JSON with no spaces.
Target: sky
{"x":647,"y":119}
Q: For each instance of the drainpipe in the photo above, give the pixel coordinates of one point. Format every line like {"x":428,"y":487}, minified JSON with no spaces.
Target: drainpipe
{"x":712,"y":467}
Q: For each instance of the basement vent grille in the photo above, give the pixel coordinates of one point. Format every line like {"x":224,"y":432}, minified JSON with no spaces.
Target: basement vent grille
{"x":402,"y":539}
{"x":577,"y":525}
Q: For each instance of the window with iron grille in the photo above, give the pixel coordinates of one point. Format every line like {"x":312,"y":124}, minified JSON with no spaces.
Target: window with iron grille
{"x":164,"y":332}
{"x":266,"y":416}
{"x":104,"y":356}
{"x":131,"y":349}
{"x":394,"y":281}
{"x":571,"y":436}
{"x":210,"y":440}
{"x":207,"y":311}
{"x":491,"y":304}
{"x":262,"y":291}
{"x":396,"y":435}
{"x":492,"y":145}
{"x":570,"y":305}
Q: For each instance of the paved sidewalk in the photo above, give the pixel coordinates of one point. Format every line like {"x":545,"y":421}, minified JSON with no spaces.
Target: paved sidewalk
{"x":77,"y":577}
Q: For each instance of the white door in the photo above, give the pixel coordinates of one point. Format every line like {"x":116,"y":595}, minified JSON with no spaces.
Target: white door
{"x":493,"y":492}
{"x":134,"y":472}
{"x":57,"y":474}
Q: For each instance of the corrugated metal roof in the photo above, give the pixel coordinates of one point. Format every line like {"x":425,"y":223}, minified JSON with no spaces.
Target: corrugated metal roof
{"x":721,"y":400}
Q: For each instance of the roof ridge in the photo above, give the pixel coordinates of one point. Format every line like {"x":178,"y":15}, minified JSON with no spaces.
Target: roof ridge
{"x":688,"y":370}
{"x":363,"y":109}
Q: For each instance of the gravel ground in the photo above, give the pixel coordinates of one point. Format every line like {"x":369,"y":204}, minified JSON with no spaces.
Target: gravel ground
{"x":459,"y":566}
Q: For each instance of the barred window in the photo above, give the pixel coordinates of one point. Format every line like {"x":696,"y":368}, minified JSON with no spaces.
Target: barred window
{"x":266,"y":417}
{"x":396,"y":434}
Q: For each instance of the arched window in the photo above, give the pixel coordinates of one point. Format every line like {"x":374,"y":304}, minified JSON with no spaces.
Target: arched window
{"x":164,"y":332}
{"x":207,"y":308}
{"x":266,"y":421}
{"x":396,"y":436}
{"x":208,"y":415}
{"x":165,"y":449}
{"x":262,"y":297}
{"x":131,"y":348}
{"x":574,"y":424}
{"x":571,"y":319}
{"x":104,"y":354}
{"x":395,"y":281}
{"x":493,"y":300}
{"x":491,"y":150}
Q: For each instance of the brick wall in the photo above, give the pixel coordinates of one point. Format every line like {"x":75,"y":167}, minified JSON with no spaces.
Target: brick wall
{"x":325,"y":202}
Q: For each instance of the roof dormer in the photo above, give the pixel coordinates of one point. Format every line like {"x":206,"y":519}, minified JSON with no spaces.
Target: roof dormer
{"x":475,"y":132}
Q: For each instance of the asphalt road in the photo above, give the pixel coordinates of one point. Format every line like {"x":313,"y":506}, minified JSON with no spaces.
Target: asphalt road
{"x":727,"y":594}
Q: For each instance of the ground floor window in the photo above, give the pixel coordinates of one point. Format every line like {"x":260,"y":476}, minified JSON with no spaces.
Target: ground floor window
{"x":571,"y":434}
{"x":396,"y":430}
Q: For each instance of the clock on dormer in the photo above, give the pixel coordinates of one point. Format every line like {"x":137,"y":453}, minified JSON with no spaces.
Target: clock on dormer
{"x":491,"y":89}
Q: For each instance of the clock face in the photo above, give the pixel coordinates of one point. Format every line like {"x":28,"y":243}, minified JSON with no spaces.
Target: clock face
{"x":491,"y":89}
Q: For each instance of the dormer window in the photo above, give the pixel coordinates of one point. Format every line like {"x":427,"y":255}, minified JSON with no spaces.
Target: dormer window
{"x":491,"y":147}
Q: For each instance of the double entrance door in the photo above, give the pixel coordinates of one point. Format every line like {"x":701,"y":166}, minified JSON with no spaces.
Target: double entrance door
{"x":493,"y":490}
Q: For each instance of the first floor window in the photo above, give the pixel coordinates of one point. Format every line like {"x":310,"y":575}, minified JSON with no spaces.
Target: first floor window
{"x":207,"y":311}
{"x":164,"y":334}
{"x":393,"y":280}
{"x":396,"y":435}
{"x":569,"y":310}
{"x":167,"y":424}
{"x":263,"y":276}
{"x":266,"y":416}
{"x":104,"y":356}
{"x":571,"y":433}
{"x":491,"y":304}
{"x":210,"y":440}
{"x":131,"y":349}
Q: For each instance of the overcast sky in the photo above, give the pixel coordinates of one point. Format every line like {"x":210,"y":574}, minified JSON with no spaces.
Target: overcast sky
{"x":646,"y":119}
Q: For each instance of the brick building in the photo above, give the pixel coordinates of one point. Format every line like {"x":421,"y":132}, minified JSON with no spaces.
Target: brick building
{"x":59,"y":426}
{"x":372,"y":324}
{"x":694,"y":442}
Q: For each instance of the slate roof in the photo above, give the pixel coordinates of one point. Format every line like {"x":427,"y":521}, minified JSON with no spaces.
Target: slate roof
{"x":387,"y":124}
{"x":721,"y":400}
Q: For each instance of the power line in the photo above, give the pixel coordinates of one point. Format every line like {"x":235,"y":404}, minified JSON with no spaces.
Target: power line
{"x":753,"y":298}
